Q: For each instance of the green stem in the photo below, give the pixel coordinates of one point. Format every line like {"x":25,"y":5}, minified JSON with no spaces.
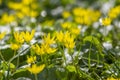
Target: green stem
{"x":18,"y":61}
{"x":62,"y":51}
{"x":98,"y":59}
{"x":89,"y":59}
{"x":2,"y":56}
{"x":36,"y":78}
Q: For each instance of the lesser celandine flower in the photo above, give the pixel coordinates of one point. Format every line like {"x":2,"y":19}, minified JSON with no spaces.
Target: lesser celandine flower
{"x":60,"y":36}
{"x":2,"y":35}
{"x":66,"y":25}
{"x":47,"y":48}
{"x":36,"y":69}
{"x":7,"y":18}
{"x":75,"y":31}
{"x":66,"y":38}
{"x":15,"y":6}
{"x":15,"y":46}
{"x":38,"y":49}
{"x":42,"y":49}
{"x":18,"y":37}
{"x":114,"y":12}
{"x":28,"y":36}
{"x":48,"y":39}
{"x":31,"y":59}
{"x":106,"y":21}
{"x":85,"y":16}
{"x":69,"y":40}
{"x":66,"y":14}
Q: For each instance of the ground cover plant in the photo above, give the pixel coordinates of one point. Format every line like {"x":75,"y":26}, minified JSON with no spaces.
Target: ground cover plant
{"x":59,"y":39}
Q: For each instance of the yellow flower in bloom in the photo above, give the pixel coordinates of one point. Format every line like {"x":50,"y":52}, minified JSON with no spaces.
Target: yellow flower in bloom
{"x":42,"y":49}
{"x":47,"y":49}
{"x":15,"y":46}
{"x":2,"y":35}
{"x":85,"y":16}
{"x":66,"y":14}
{"x":26,"y":11}
{"x":60,"y":36}
{"x":75,"y":31}
{"x":33,"y":13}
{"x":19,"y":15}
{"x":66,"y":25}
{"x":31,"y":59}
{"x":27,"y":36}
{"x":78,"y":11}
{"x":106,"y":21}
{"x":36,"y":69}
{"x":66,"y":38}
{"x":69,"y":40}
{"x":48,"y":40}
{"x":15,"y":6}
{"x":69,"y":43}
{"x":7,"y":18}
{"x":38,"y":49}
{"x":112,"y":78}
{"x":114,"y":12}
{"x":27,"y":2}
{"x":79,"y":20}
{"x":18,"y":37}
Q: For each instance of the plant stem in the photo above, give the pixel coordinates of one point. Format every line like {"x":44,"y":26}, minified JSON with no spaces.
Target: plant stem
{"x":2,"y":56}
{"x":89,"y":60}
{"x":36,"y":78}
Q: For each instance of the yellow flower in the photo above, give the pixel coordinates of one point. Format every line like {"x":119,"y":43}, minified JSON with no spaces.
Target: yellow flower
{"x":106,"y":21}
{"x":114,"y":12}
{"x":19,"y":15}
{"x":66,"y":38}
{"x":7,"y":18}
{"x":47,"y":49}
{"x":34,"y":13}
{"x":36,"y":69}
{"x":2,"y":35}
{"x":31,"y":59}
{"x":66,"y":25}
{"x":48,"y":40}
{"x":42,"y":49}
{"x":27,"y":36}
{"x":66,"y":14}
{"x":60,"y":36}
{"x":69,"y":40}
{"x":75,"y":31}
{"x":18,"y":37}
{"x":38,"y":49}
{"x":85,"y":16}
{"x":69,"y":43}
{"x":27,"y":2}
{"x":112,"y":78}
{"x":26,"y":11}
{"x":15,"y":46}
{"x":15,"y":6}
{"x":79,"y":20}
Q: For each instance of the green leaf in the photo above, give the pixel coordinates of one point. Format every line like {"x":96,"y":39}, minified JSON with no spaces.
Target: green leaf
{"x":21,"y":73}
{"x":94,"y":41}
{"x":12,"y":65}
{"x":71,"y":68}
